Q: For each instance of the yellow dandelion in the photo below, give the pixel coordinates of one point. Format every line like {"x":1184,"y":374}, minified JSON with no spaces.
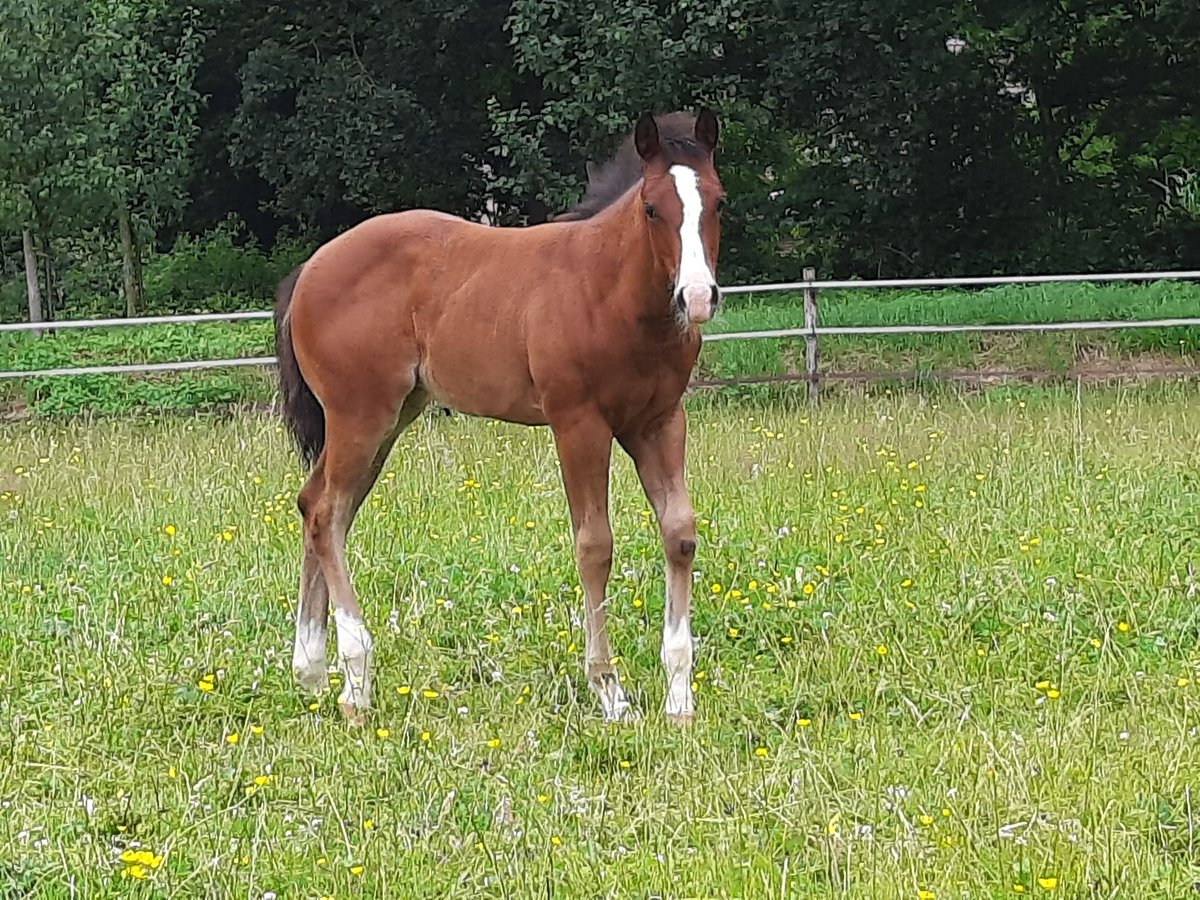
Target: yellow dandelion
{"x":926,"y":895}
{"x":556,"y":841}
{"x":493,"y":743}
{"x":906,"y":583}
{"x":425,"y":736}
{"x":1053,"y":693}
{"x":168,"y":580}
{"x":227,"y":536}
{"x":1018,"y":888}
{"x":256,"y":729}
{"x":804,"y":723}
{"x":232,"y":738}
{"x":382,"y":733}
{"x":716,"y":588}
{"x":207,"y":683}
{"x":429,"y":695}
{"x":169,"y":530}
{"x":368,"y":824}
{"x":1123,"y":627}
{"x":882,"y":650}
{"x":404,"y":690}
{"x":1181,"y":682}
{"x":926,"y":819}
{"x":855,"y":716}
{"x":1048,"y":884}
{"x":762,"y":752}
{"x":357,"y":870}
{"x":809,"y":589}
{"x":1096,"y":642}
{"x":542,"y":798}
{"x":734,"y":632}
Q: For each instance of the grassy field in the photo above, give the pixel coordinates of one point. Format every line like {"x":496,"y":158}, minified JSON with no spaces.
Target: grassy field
{"x":947,"y":649}
{"x":1064,"y":353}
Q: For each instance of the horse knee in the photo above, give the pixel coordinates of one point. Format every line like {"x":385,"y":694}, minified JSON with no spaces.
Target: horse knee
{"x":594,"y":547}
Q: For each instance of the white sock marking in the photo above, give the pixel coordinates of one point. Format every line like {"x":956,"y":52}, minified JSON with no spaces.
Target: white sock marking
{"x":355,"y":646}
{"x":308,"y":654}
{"x":677,"y":660}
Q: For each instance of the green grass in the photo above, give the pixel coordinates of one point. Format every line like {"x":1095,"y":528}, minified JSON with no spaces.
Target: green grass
{"x":1068,"y":354}
{"x":1058,"y":352}
{"x":945,"y":646}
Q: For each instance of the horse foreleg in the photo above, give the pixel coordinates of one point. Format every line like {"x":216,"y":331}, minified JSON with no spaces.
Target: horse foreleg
{"x":659,"y":456}
{"x":585,"y":451}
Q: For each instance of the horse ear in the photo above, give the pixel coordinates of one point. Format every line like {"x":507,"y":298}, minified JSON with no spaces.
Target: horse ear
{"x":707,"y":129}
{"x":645,"y":138}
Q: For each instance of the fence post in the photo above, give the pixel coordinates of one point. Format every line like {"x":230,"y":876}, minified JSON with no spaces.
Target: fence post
{"x":813,"y":352}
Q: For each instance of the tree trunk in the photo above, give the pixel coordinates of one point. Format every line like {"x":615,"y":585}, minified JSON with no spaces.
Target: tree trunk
{"x":132,"y":260}
{"x":31,"y":280}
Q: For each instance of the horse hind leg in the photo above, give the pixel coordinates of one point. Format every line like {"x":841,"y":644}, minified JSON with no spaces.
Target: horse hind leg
{"x":354,"y":454}
{"x":312,"y":610}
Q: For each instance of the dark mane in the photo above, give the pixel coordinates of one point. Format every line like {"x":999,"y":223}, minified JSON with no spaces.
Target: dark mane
{"x":610,"y":180}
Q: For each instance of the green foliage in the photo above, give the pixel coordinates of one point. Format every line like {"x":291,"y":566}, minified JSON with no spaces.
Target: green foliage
{"x":350,"y":112}
{"x":215,"y":272}
{"x":124,"y":346}
{"x":870,"y":137}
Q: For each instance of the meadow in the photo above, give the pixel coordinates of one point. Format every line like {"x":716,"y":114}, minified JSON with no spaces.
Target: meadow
{"x":947,"y":648}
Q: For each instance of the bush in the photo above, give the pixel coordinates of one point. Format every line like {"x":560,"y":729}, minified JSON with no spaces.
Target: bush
{"x":216,"y":273}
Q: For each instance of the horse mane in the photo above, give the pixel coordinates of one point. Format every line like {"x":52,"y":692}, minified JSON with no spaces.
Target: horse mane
{"x":610,"y":180}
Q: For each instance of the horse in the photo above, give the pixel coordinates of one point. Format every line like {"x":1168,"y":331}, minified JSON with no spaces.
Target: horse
{"x":588,"y":324}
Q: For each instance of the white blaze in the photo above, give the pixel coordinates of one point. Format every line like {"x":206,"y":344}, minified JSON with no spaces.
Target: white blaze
{"x":695,"y":280}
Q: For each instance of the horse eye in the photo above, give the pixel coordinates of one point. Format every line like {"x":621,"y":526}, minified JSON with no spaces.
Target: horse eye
{"x":651,"y":212}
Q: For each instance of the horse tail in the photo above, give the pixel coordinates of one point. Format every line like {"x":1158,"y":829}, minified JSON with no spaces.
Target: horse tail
{"x":302,"y":411}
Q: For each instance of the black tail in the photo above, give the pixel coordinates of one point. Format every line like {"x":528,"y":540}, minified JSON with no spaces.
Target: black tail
{"x":302,"y":412}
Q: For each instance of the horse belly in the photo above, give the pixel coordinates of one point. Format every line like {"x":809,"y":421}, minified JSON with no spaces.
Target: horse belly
{"x":481,"y":382}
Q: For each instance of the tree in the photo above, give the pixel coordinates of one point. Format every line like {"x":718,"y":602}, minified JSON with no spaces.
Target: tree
{"x":372,"y":106}
{"x":143,"y":65}
{"x":44,"y":143}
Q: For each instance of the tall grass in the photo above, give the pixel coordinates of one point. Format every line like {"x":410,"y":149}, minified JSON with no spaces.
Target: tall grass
{"x":946,"y":649}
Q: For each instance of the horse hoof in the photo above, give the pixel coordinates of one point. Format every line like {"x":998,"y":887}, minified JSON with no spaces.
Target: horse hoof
{"x":626,"y":714}
{"x":353,"y":715}
{"x":683,"y":720}
{"x":314,"y":680}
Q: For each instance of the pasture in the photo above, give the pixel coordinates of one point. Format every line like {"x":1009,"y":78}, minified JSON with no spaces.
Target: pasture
{"x":947,"y":648}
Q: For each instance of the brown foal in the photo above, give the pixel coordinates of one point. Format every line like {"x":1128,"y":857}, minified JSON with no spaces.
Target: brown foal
{"x":588,"y":324}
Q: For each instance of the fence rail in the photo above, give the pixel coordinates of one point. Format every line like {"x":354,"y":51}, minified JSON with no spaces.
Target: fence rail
{"x":811,"y":331}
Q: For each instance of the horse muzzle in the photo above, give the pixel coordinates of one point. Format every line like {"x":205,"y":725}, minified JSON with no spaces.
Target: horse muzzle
{"x":698,"y":301}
